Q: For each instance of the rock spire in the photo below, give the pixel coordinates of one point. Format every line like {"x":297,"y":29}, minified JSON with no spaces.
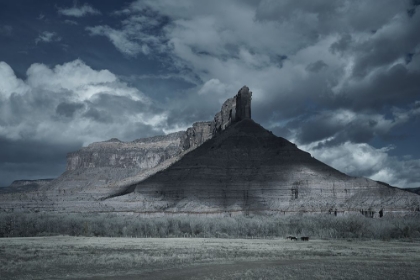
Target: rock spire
{"x":233,"y":110}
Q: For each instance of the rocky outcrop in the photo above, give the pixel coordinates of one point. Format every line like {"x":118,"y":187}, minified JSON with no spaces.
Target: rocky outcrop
{"x":147,"y":153}
{"x":141,"y":154}
{"x":243,"y":104}
{"x":228,"y":166}
{"x":199,"y":133}
{"x":233,"y":110}
{"x":248,"y":169}
{"x":103,"y":168}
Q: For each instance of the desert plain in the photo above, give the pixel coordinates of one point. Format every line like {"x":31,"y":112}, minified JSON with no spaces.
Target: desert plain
{"x":69,"y":257}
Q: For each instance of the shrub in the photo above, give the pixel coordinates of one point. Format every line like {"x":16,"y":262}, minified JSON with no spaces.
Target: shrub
{"x":321,"y":226}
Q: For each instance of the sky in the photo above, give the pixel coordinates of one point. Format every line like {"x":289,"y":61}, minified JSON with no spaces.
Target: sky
{"x":341,"y":79}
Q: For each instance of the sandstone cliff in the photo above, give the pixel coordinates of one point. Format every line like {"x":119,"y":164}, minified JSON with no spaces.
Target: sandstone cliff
{"x":146,"y":153}
{"x":247,"y":169}
{"x":104,"y":168}
{"x":228,"y":166}
{"x":233,"y":110}
{"x":142,"y":153}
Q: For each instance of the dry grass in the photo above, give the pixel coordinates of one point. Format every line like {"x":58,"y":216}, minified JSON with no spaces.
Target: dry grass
{"x":328,"y":269}
{"x":78,"y":257}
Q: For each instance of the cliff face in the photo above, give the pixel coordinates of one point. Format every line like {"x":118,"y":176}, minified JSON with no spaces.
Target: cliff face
{"x":248,"y":169}
{"x":199,"y":133}
{"x":142,"y":153}
{"x":233,"y":110}
{"x":226,"y":166}
{"x":147,"y":153}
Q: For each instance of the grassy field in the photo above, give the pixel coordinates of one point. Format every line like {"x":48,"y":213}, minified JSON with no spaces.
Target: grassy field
{"x":64,"y":257}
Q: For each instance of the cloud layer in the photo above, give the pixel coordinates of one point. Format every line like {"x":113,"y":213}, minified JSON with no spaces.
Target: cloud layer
{"x":47,"y":37}
{"x":79,"y":11}
{"x":65,"y":107}
{"x":339,"y":78}
{"x":82,"y":104}
{"x":328,"y":75}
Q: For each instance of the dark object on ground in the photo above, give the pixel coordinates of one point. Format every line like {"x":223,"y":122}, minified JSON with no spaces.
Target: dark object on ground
{"x":304,"y":238}
{"x":292,"y":238}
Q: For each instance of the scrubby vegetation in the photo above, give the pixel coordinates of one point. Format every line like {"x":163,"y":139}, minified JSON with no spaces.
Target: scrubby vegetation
{"x":58,"y":257}
{"x":112,"y":225}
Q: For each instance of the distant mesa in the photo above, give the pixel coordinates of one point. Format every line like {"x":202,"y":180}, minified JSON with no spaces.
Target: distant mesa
{"x":25,"y":185}
{"x":113,"y":140}
{"x":22,"y":183}
{"x":228,"y":166}
{"x":414,"y":190}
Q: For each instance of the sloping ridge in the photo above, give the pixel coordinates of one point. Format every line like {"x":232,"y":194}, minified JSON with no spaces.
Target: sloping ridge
{"x":247,"y":168}
{"x":230,"y":164}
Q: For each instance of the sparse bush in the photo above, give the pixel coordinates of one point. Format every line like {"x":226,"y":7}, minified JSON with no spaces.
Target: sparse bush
{"x":321,"y":226}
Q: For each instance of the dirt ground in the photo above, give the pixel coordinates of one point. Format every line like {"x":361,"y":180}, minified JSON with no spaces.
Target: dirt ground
{"x":64,"y":257}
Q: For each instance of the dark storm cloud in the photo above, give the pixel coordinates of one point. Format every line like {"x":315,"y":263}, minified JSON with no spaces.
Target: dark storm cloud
{"x":40,"y":159}
{"x":393,"y":87}
{"x":193,"y":108}
{"x":324,"y":17}
{"x":98,"y":115}
{"x":387,"y":45}
{"x":412,"y":9}
{"x":339,"y":126}
{"x":404,"y":171}
{"x":281,"y":131}
{"x":344,"y":125}
{"x":285,"y":10}
{"x":332,"y":76}
{"x":316,"y":66}
{"x":68,"y":109}
{"x":342,"y":44}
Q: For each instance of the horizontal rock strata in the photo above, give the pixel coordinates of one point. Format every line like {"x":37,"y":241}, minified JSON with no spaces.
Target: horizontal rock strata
{"x":246,"y":168}
{"x":228,"y":166}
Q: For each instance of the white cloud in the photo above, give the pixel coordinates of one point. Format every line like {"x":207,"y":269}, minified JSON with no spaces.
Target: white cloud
{"x":244,"y":42}
{"x":74,"y":76}
{"x":9,"y":83}
{"x":47,"y":37}
{"x":342,"y":125}
{"x":331,"y":137}
{"x":134,"y":38}
{"x":269,"y":46}
{"x":120,"y":40}
{"x":73,"y":102}
{"x":351,"y":158}
{"x":362,"y":159}
{"x":79,"y":11}
{"x":215,"y":87}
